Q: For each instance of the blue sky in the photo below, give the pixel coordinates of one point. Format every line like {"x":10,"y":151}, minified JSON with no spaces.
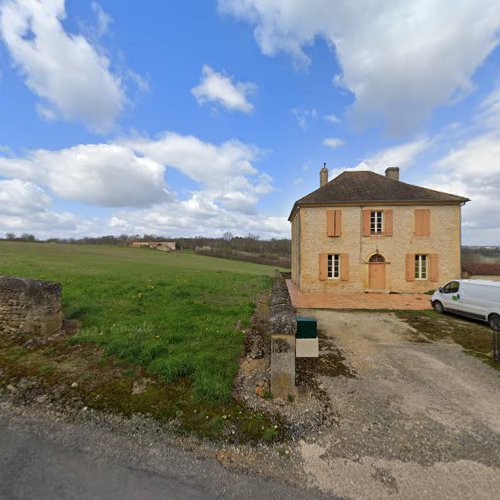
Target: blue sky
{"x":201,"y":117}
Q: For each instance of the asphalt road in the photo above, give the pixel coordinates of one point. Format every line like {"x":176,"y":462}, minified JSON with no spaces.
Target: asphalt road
{"x":33,"y":465}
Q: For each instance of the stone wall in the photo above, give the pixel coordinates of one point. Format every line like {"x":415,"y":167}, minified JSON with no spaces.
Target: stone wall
{"x":29,"y":307}
{"x":444,"y":240}
{"x":283,"y":329}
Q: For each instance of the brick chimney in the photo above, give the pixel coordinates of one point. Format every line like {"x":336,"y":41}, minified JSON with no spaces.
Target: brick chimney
{"x":392,"y":173}
{"x":323,"y":176}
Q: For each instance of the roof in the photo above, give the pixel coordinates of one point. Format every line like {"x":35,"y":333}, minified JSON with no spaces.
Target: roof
{"x":366,"y":187}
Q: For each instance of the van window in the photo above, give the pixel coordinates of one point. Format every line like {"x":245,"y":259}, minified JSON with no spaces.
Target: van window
{"x":452,"y":287}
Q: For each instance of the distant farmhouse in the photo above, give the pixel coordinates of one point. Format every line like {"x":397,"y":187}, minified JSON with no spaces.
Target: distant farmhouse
{"x":164,"y":246}
{"x":368,"y":232}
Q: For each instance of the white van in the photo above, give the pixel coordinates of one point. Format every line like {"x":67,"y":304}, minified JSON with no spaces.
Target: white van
{"x":479,"y":299}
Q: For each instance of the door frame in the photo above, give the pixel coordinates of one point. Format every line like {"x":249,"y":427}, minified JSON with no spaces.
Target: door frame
{"x":377,"y":263}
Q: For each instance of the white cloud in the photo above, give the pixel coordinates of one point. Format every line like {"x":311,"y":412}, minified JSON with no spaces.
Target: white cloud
{"x":402,"y":156}
{"x":99,"y":174}
{"x":70,"y":76}
{"x":332,"y":118}
{"x":103,"y":19}
{"x":489,"y":115}
{"x":198,"y":216}
{"x":131,"y":173}
{"x":333,"y":142}
{"x":304,"y":116}
{"x":226,"y":172}
{"x":24,"y":207}
{"x":473,"y":170}
{"x":219,"y":88}
{"x":399,"y":59}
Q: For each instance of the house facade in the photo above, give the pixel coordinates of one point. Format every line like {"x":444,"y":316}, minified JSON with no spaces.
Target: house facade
{"x":368,"y":232}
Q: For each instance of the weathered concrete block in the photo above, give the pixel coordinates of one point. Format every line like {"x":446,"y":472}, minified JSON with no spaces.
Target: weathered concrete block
{"x":307,"y":348}
{"x":29,"y":307}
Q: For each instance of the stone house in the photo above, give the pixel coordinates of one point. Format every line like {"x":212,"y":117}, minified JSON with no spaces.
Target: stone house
{"x":364,"y":231}
{"x":164,"y":246}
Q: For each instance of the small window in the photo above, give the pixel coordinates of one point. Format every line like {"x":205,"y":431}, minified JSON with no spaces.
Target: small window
{"x":377,"y":258}
{"x":333,"y":266}
{"x":421,"y":267}
{"x":452,"y":287}
{"x":376,"y":222}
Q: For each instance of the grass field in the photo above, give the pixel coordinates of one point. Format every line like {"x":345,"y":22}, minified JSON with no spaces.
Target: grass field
{"x":175,"y":315}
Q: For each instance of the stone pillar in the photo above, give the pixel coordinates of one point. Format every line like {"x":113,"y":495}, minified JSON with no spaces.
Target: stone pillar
{"x":283,"y":329}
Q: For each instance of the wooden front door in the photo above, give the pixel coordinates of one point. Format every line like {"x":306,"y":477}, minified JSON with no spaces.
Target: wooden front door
{"x":376,"y":273}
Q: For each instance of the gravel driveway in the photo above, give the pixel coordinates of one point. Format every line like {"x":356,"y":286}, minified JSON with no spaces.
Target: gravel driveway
{"x":420,"y":420}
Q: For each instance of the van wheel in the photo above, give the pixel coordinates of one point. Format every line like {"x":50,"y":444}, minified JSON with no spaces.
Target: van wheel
{"x":438,"y":307}
{"x":494,"y":321}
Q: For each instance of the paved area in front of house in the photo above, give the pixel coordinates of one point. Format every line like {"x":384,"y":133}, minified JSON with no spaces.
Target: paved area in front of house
{"x":319,"y":300}
{"x":420,"y":420}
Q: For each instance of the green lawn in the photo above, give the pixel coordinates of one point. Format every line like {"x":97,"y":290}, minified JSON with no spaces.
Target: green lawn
{"x":173,"y":314}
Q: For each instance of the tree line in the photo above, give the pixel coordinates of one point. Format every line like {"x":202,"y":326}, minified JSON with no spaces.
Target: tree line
{"x":228,"y":243}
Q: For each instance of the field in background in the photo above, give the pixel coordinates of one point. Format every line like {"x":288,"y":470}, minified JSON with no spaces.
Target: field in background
{"x":176,"y":315}
{"x":484,"y":277}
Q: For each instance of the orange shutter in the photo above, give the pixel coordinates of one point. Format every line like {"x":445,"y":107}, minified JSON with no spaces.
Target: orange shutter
{"x":330,"y":222}
{"x":388,"y":222}
{"x":338,"y":222}
{"x":418,"y":222}
{"x":434,"y":262}
{"x":422,"y":222}
{"x":410,"y":267}
{"x":366,"y":222}
{"x":323,"y":266}
{"x":344,"y":267}
{"x":426,"y":222}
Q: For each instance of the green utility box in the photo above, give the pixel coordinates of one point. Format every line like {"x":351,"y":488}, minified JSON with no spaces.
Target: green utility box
{"x":307,"y":327}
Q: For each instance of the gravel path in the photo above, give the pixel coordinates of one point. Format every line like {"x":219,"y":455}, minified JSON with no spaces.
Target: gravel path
{"x":421,"y":420}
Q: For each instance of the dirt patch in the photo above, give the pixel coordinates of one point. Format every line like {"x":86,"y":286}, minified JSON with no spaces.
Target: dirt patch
{"x":474,"y":336}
